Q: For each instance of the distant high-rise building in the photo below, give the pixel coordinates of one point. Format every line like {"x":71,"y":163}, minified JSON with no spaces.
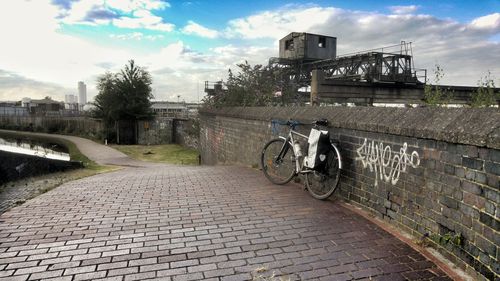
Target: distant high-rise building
{"x":70,"y":99}
{"x":82,"y":93}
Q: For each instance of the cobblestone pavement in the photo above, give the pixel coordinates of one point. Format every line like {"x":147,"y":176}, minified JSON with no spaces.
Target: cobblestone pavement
{"x":13,"y":194}
{"x":196,"y":223}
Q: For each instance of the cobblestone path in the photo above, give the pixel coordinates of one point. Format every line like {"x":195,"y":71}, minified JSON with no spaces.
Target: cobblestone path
{"x":196,"y":223}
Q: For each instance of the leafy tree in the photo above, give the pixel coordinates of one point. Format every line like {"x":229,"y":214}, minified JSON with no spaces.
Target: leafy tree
{"x":124,"y":96}
{"x":256,"y":85}
{"x":485,"y":95}
{"x":435,"y":95}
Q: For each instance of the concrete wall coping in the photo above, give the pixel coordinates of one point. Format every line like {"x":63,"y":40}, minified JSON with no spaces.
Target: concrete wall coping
{"x":471,"y":126}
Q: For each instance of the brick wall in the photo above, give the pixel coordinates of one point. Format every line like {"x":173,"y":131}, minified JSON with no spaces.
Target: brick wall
{"x":66,"y":125}
{"x":433,"y":172}
{"x":186,"y":132}
{"x":157,"y":131}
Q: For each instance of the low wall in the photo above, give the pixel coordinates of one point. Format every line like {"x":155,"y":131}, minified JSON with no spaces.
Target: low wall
{"x":186,"y":132}
{"x":165,"y":130}
{"x":433,"y":172}
{"x":157,"y":131}
{"x":65,"y":125}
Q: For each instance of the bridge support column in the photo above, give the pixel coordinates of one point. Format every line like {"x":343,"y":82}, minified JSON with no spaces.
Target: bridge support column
{"x":316,"y":78}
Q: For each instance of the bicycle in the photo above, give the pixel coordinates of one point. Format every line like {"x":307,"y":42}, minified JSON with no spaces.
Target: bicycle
{"x":282,"y":160}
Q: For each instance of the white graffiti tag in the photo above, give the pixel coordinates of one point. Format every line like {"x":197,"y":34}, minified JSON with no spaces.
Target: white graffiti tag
{"x":386,"y":164}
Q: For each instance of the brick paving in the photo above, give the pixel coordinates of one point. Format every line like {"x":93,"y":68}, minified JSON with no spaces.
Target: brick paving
{"x":16,"y":193}
{"x":196,"y":223}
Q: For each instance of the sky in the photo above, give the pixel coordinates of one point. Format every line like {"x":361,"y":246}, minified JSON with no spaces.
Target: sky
{"x":47,"y":46}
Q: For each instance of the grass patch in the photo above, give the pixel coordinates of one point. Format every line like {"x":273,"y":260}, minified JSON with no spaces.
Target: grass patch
{"x":164,"y":153}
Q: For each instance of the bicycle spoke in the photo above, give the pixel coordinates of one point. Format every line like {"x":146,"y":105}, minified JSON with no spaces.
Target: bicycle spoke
{"x":278,"y":171}
{"x":321,"y":184}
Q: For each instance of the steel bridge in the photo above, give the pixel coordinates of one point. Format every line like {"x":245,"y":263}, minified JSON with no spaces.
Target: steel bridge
{"x":381,"y":65}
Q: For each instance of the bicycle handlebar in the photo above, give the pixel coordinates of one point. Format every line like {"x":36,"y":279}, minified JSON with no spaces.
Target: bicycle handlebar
{"x":293,"y":123}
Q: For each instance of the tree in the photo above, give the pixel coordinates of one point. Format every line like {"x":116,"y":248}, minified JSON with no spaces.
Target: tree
{"x":124,"y":96}
{"x":253,"y":86}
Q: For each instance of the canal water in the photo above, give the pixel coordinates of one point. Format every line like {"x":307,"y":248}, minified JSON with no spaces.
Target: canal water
{"x":46,"y":150}
{"x":21,"y":158}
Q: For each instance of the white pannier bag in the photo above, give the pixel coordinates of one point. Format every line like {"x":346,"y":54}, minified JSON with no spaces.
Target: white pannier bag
{"x":319,"y":144}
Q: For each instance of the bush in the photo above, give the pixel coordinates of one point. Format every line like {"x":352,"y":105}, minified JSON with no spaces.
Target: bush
{"x":435,"y":95}
{"x":485,"y":95}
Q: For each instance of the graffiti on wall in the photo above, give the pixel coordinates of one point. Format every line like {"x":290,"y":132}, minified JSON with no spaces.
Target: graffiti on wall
{"x":384,"y":162}
{"x":215,"y":136}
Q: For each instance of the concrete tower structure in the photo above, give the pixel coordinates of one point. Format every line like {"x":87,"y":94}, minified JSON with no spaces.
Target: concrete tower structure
{"x":82,"y":94}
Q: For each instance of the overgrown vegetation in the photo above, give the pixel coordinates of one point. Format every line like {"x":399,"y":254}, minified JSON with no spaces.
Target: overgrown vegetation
{"x":485,"y":95}
{"x":256,"y":85}
{"x":434,"y":94}
{"x":123,"y":96}
{"x":164,"y":153}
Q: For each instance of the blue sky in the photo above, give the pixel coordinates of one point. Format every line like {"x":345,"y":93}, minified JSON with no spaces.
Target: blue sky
{"x":50,"y":45}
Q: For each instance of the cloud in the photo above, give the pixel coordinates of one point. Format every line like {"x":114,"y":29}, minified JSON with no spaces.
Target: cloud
{"x":64,"y":4}
{"x":464,"y":50}
{"x":402,"y":10}
{"x":276,"y":24}
{"x":36,"y":49}
{"x":99,"y":14}
{"x":36,"y":53}
{"x":143,"y":19}
{"x":136,"y":36}
{"x":14,"y":86}
{"x":197,"y":29}
{"x":133,"y":14}
{"x":491,"y":22}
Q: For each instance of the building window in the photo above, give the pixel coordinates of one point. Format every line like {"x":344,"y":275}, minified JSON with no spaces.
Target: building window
{"x":322,"y":42}
{"x":289,"y":45}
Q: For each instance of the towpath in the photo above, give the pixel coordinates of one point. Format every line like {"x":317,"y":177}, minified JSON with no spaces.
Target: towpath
{"x":166,"y":222}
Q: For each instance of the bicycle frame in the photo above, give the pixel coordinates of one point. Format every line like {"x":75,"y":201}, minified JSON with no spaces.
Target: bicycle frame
{"x":289,"y":141}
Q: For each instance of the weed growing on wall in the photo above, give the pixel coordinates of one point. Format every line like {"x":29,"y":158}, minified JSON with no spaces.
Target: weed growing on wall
{"x":485,"y":95}
{"x":435,"y":95}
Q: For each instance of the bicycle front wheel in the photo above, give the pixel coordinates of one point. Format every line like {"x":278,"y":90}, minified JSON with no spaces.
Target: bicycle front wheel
{"x":321,"y":184}
{"x":278,"y":161}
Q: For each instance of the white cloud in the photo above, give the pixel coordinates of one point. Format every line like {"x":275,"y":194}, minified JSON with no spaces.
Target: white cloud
{"x":13,"y":87}
{"x":487,"y":22}
{"x":197,"y":29}
{"x":45,"y":61}
{"x":131,"y":14}
{"x":402,"y":10}
{"x":134,"y":5}
{"x":36,"y":49}
{"x":276,"y":24}
{"x":466,"y":53}
{"x":136,"y":36}
{"x":143,"y":19}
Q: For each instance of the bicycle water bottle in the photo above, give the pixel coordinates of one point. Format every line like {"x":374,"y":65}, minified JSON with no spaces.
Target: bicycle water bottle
{"x":296,"y":146}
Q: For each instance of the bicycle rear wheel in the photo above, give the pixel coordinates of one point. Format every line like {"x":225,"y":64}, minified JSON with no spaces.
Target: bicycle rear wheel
{"x":278,"y":161}
{"x":321,"y":184}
